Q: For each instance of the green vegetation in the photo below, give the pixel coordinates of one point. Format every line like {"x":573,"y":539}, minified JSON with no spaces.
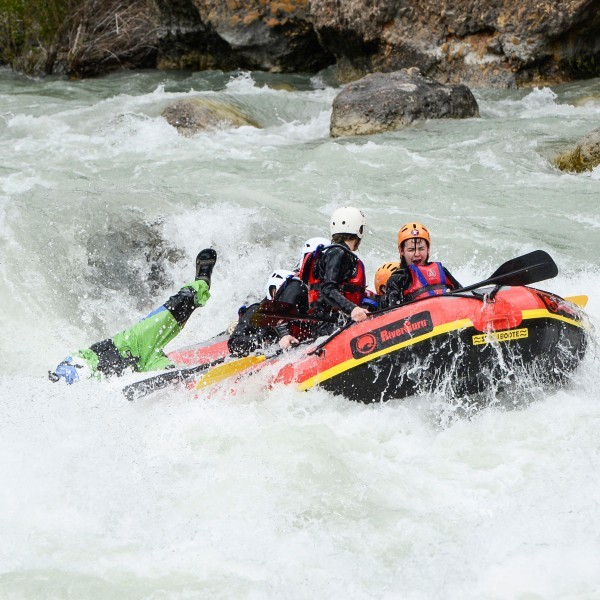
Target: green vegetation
{"x":33,"y":29}
{"x":82,"y":38}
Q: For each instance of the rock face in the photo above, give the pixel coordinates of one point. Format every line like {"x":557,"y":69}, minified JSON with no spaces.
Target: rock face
{"x":240,"y":34}
{"x":502,"y":43}
{"x":388,"y":101}
{"x":275,"y":36}
{"x":585,"y":156}
{"x":186,"y":42}
{"x":201,"y":114}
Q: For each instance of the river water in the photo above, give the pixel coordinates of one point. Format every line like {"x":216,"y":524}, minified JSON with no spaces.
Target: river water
{"x":279,"y":494}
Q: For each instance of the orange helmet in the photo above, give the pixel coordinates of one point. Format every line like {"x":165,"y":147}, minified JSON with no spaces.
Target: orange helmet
{"x":383,"y":274}
{"x":412,"y":231}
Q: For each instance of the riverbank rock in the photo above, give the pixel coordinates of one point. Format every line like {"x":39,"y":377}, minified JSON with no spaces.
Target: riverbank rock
{"x":268,"y":36}
{"x":480,"y":43}
{"x":201,"y":114}
{"x":185,"y":41}
{"x":585,"y":156}
{"x":240,"y":34}
{"x":494,"y":44}
{"x":388,"y":101}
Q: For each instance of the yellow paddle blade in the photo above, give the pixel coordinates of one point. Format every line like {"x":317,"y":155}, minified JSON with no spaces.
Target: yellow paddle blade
{"x":227,"y":369}
{"x":580,"y":301}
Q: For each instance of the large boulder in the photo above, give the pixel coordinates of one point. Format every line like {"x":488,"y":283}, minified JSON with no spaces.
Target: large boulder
{"x":585,"y":156}
{"x":202,"y":114}
{"x":388,"y":101}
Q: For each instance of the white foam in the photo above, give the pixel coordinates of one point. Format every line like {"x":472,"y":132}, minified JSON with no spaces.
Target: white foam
{"x":262,"y":491}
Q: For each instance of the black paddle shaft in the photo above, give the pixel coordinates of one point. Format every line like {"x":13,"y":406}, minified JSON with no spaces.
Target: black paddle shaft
{"x":158,"y":382}
{"x":272,"y":312}
{"x":523,"y":270}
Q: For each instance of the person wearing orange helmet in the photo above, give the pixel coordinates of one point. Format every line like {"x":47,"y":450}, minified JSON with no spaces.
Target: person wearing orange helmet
{"x":382,"y":276}
{"x":416,"y":277}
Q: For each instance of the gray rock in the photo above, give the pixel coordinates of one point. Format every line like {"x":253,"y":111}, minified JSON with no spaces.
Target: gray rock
{"x":269,"y":36}
{"x":584,"y":156}
{"x":389,"y":101}
{"x":202,"y":114}
{"x":499,"y":43}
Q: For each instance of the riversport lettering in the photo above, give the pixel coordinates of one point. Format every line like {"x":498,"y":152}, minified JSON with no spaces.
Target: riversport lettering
{"x":391,"y":334}
{"x":406,"y":327}
{"x":500,"y":336}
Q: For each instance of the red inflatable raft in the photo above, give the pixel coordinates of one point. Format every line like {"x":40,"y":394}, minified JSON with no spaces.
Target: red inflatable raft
{"x":458,"y":344}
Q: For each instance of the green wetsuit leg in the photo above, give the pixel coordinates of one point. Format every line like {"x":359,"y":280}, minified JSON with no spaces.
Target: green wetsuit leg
{"x":141,"y":346}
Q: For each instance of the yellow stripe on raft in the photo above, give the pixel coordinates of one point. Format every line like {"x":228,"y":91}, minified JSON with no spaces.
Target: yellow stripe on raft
{"x":542,"y":313}
{"x":228,"y":369}
{"x":353,"y":362}
{"x":538,"y":313}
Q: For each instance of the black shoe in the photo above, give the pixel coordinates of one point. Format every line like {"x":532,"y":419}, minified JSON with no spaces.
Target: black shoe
{"x":205,"y":262}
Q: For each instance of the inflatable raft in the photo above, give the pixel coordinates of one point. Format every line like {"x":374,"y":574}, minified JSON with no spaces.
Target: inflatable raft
{"x":456,"y":344}
{"x":461,"y":343}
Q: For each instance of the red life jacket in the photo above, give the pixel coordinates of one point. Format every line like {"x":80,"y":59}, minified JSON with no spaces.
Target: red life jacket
{"x":353,"y":289}
{"x":428,"y":280}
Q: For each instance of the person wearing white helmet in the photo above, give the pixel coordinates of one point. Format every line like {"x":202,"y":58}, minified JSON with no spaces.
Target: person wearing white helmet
{"x":247,"y":337}
{"x":335,"y":275}
{"x":296,"y":292}
{"x":310,"y":246}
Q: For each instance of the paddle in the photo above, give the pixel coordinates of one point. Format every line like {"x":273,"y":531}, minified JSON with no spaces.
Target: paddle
{"x":158,"y":382}
{"x":523,"y":270}
{"x":271,"y":313}
{"x":231,"y":368}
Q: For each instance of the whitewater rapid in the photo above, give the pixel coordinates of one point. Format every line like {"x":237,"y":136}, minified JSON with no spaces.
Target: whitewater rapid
{"x":260,"y":494}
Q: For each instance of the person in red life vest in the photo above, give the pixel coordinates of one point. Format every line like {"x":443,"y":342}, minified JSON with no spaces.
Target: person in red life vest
{"x":295,"y":292}
{"x":417,"y":277}
{"x":335,"y":276}
{"x":246,"y":337}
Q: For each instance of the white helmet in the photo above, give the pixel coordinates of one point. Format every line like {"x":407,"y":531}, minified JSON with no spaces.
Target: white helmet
{"x":311,"y":245}
{"x":276,"y":280}
{"x":348,"y":220}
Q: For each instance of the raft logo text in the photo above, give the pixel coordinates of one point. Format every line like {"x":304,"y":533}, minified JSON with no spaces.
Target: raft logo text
{"x":500,"y":336}
{"x":391,"y":334}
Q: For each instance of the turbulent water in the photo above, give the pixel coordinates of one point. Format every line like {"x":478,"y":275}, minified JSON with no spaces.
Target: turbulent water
{"x":279,"y":493}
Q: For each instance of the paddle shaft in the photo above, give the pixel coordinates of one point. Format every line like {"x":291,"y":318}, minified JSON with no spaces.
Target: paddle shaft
{"x":159,"y":382}
{"x":503,"y":279}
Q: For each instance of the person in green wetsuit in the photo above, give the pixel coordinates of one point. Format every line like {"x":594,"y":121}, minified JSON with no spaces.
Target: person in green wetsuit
{"x":140,"y":348}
